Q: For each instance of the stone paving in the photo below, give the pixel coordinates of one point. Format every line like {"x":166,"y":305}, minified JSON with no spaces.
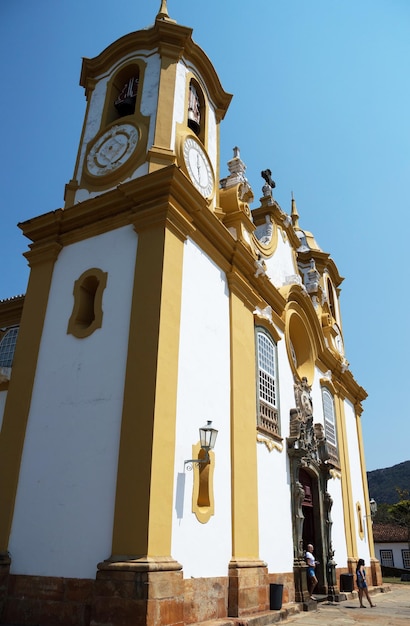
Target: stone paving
{"x":392,"y":609}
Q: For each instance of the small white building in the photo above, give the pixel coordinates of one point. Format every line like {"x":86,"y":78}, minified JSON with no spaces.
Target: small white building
{"x":391,"y":545}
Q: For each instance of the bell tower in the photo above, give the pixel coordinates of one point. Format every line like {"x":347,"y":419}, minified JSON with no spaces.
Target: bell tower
{"x":100,"y":331}
{"x":153,"y":99}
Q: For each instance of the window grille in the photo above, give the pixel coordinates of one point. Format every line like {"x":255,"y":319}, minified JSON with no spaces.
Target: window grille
{"x":7,"y":347}
{"x":329,"y":414}
{"x":268,"y":414}
{"x":386,"y":558}
{"x":406,"y":558}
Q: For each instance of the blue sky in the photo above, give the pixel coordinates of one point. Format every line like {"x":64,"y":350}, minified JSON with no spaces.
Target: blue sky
{"x":321,"y":97}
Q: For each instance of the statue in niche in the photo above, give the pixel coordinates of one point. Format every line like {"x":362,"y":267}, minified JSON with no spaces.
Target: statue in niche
{"x":299,"y":518}
{"x":328,"y":503}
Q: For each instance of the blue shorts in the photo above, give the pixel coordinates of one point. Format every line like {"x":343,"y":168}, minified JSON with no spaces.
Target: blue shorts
{"x":311,"y":571}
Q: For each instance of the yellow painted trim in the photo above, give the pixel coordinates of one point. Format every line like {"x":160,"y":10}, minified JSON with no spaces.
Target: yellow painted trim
{"x":121,"y":73}
{"x":111,"y":178}
{"x":81,"y":325}
{"x":267,"y":324}
{"x":271,"y":444}
{"x":359,"y":514}
{"x":245,"y":531}
{"x":165,"y":112}
{"x":10,"y":312}
{"x":346,"y":482}
{"x":202,"y":94}
{"x":20,"y":389}
{"x":299,"y":335}
{"x":368,"y":517}
{"x":144,"y":498}
{"x":203,"y":501}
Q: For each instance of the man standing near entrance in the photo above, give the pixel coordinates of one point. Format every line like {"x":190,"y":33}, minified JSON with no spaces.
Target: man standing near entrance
{"x":311,"y":575}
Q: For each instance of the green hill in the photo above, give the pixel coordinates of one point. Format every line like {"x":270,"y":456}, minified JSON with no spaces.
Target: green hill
{"x":383,"y":483}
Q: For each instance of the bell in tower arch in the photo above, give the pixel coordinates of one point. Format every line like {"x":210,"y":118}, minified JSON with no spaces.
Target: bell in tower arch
{"x":125,"y":101}
{"x":194,"y":109}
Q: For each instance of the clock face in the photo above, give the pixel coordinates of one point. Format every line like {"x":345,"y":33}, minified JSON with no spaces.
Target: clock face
{"x":199,"y":167}
{"x":112,"y":149}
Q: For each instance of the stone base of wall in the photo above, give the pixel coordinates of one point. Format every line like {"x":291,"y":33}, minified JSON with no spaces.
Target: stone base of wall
{"x":288,"y":582}
{"x":122,"y":594}
{"x":376,"y":571}
{"x":248,"y":588}
{"x":144,"y":592}
{"x":48,"y":601}
{"x":4,"y":581}
{"x":205,"y":599}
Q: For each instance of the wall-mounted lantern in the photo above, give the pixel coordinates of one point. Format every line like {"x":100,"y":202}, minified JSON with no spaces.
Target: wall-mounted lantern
{"x":207,"y":437}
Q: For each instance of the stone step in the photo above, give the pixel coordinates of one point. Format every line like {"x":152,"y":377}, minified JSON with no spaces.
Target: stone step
{"x":267,"y":618}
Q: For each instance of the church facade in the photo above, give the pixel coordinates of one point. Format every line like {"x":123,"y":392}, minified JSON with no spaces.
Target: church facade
{"x":158,"y":304}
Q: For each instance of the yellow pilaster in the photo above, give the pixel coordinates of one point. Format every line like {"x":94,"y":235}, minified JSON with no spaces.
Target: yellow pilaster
{"x":171,"y":48}
{"x":369,"y":523}
{"x":143,"y":509}
{"x":347,"y":493}
{"x":20,"y":390}
{"x":245,"y":533}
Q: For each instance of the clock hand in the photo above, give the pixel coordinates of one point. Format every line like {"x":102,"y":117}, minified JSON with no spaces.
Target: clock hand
{"x":198,"y":165}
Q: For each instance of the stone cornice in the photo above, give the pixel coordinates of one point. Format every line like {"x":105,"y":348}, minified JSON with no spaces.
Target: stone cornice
{"x":46,"y":251}
{"x":323,"y":261}
{"x":162,"y":195}
{"x":347,"y":387}
{"x":10,"y":311}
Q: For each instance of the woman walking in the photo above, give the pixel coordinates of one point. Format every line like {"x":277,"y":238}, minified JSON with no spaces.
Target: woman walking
{"x":362,"y":584}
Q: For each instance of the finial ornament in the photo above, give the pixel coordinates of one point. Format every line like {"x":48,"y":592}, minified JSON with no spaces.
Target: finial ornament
{"x":294,"y":213}
{"x":163,"y":11}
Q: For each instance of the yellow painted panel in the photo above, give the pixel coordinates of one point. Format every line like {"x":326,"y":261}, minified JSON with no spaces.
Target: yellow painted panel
{"x":245,"y":538}
{"x":20,"y":390}
{"x":143,"y":512}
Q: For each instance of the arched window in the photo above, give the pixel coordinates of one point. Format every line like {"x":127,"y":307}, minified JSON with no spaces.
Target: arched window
{"x":7,"y":347}
{"x":267,"y":384}
{"x":329,"y":414}
{"x":196,"y":110}
{"x":122,"y":93}
{"x":330,"y":425}
{"x":125,"y":101}
{"x":331,"y":298}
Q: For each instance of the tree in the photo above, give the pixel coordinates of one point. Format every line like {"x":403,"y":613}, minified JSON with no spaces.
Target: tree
{"x":382,"y":515}
{"x":400,"y":515}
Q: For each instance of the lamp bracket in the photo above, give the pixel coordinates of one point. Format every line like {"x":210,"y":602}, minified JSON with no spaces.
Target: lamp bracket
{"x":191,"y":463}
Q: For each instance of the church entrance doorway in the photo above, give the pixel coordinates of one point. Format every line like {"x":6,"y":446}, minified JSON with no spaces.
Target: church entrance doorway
{"x":311,"y":532}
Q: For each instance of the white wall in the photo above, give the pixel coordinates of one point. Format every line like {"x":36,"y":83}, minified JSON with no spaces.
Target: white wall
{"x":282,"y":263}
{"x":396,"y":549}
{"x":203,"y":394}
{"x":63,"y":518}
{"x":334,"y":487}
{"x":275,"y":514}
